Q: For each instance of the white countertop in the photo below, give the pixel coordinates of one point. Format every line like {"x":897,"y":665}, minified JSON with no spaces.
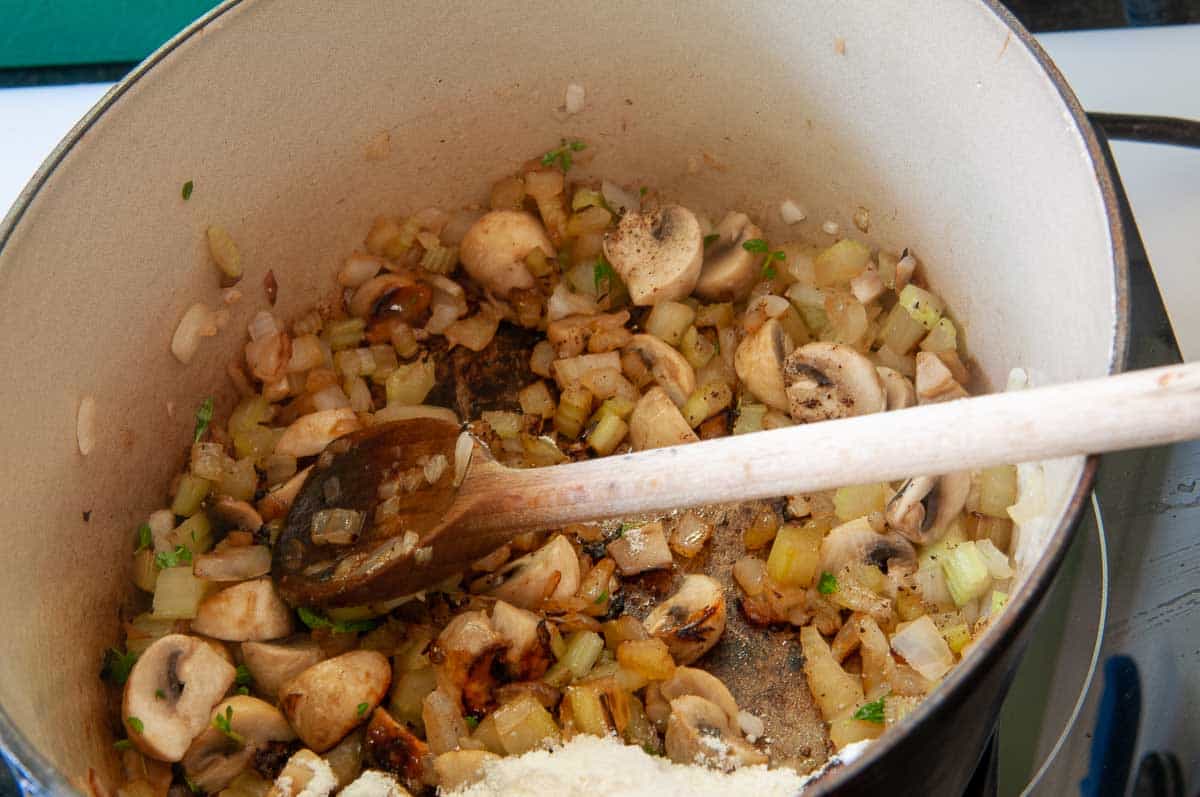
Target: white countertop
{"x":1129,"y":70}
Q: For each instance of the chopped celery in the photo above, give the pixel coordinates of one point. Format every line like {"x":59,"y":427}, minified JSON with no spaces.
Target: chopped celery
{"x":178,"y":593}
{"x":587,"y":712}
{"x":860,"y":500}
{"x":750,"y":418}
{"x":943,"y":337}
{"x":523,"y":725}
{"x":957,"y":636}
{"x":620,"y":407}
{"x":608,"y":434}
{"x":900,"y":332}
{"x":191,"y":493}
{"x":583,"y":648}
{"x":841,"y":262}
{"x":966,"y":570}
{"x":668,"y":321}
{"x":999,"y":601}
{"x":195,"y":533}
{"x":796,"y":555}
{"x":574,"y":406}
{"x":409,"y":384}
{"x":997,"y":490}
{"x":344,"y":334}
{"x":696,"y":348}
{"x":925,"y":308}
{"x":145,"y":572}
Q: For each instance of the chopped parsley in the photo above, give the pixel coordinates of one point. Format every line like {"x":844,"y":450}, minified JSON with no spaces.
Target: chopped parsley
{"x":603,"y":272}
{"x":195,"y":789}
{"x":123,"y":744}
{"x":710,"y":238}
{"x":651,"y":749}
{"x":187,"y":190}
{"x":759,"y":246}
{"x":224,"y":723}
{"x":160,"y":694}
{"x":135,"y":724}
{"x":472,"y":722}
{"x":203,"y":418}
{"x":362,"y":708}
{"x":117,"y":666}
{"x":562,"y":155}
{"x":871,"y":712}
{"x":315,"y":620}
{"x":828,"y":584}
{"x":242,"y":679}
{"x":642,"y":191}
{"x":144,"y":538}
{"x":602,"y":598}
{"x":174,"y":558}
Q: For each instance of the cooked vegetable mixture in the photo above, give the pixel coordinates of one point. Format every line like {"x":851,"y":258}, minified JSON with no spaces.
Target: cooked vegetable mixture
{"x":570,"y":319}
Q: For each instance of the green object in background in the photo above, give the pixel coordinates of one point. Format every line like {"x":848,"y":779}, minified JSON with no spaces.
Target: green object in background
{"x":39,"y":33}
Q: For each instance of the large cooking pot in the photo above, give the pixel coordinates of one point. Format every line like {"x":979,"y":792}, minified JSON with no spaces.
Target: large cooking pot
{"x":943,"y":119}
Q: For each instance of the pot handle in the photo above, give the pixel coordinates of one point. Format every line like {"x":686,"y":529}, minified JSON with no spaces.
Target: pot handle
{"x":13,"y":775}
{"x":1148,"y":129}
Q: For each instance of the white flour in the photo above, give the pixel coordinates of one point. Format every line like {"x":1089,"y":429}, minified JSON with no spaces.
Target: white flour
{"x":588,"y":766}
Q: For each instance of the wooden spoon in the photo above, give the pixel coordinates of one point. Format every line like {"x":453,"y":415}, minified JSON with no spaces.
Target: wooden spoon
{"x":442,"y":529}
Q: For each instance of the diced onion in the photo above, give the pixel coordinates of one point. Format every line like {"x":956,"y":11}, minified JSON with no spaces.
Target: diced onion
{"x":359,"y":268}
{"x":923,"y":647}
{"x":336,"y":526}
{"x":997,"y":563}
{"x":619,"y":199}
{"x":197,"y":323}
{"x":574,"y":98}
{"x":563,"y":303}
{"x":330,"y":398}
{"x":790,"y":212}
{"x":85,"y":425}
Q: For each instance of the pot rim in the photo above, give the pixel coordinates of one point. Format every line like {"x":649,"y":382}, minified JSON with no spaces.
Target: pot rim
{"x":35,"y":773}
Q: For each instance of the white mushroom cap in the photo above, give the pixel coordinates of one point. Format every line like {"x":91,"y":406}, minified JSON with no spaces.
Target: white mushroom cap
{"x":322,"y":703}
{"x":191,"y":676}
{"x":831,"y":380}
{"x":670,"y":369}
{"x":494,"y":249}
{"x":251,"y":610}
{"x":690,"y":621}
{"x":271,"y":664}
{"x":856,"y":541}
{"x":924,"y":506}
{"x":730,"y":270}
{"x":657,"y":254}
{"x":657,"y":422}
{"x":214,"y":759}
{"x":551,"y":571}
{"x":692,"y":681}
{"x":699,"y":731}
{"x":306,"y":774}
{"x":759,"y":364}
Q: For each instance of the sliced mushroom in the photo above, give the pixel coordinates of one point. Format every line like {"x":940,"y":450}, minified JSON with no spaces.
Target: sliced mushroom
{"x":657,"y":254}
{"x":392,"y":746}
{"x":233,"y":563}
{"x":494,"y":249}
{"x":640,"y":549}
{"x":272,"y":664}
{"x":690,"y":621}
{"x":831,"y":380}
{"x":306,"y":774}
{"x":191,"y":677}
{"x":924,"y":506}
{"x":730,"y":270}
{"x":897,"y":387}
{"x":527,"y":655}
{"x":374,"y":783}
{"x":324,"y":702}
{"x":215,"y":758}
{"x":671,"y":371}
{"x":276,"y":503}
{"x":935,"y":380}
{"x":759,"y":364}
{"x":691,"y":681}
{"x":369,"y":295}
{"x":251,"y":610}
{"x":309,"y":434}
{"x":235,"y":513}
{"x":857,"y":542}
{"x":552,"y":571}
{"x":698,"y":731}
{"x":465,"y":652}
{"x":656,"y":422}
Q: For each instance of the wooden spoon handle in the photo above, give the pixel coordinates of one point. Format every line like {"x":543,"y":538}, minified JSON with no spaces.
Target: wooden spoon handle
{"x":1131,"y":410}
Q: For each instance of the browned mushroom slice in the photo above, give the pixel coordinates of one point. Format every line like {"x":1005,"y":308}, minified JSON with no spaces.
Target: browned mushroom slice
{"x":898,"y":387}
{"x":325,"y":702}
{"x":856,"y":542}
{"x":698,"y":731}
{"x":656,"y":422}
{"x":272,"y":664}
{"x":657,"y":254}
{"x":219,"y":754}
{"x":691,"y":620}
{"x":552,"y":571}
{"x":251,"y":610}
{"x":671,"y":371}
{"x":162,"y":716}
{"x":831,"y":380}
{"x":465,"y":652}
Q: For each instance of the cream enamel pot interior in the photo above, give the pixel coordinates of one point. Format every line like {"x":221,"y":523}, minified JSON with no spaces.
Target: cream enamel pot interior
{"x":943,"y":119}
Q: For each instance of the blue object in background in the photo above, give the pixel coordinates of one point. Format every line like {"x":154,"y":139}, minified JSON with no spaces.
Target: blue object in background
{"x":1116,"y":732}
